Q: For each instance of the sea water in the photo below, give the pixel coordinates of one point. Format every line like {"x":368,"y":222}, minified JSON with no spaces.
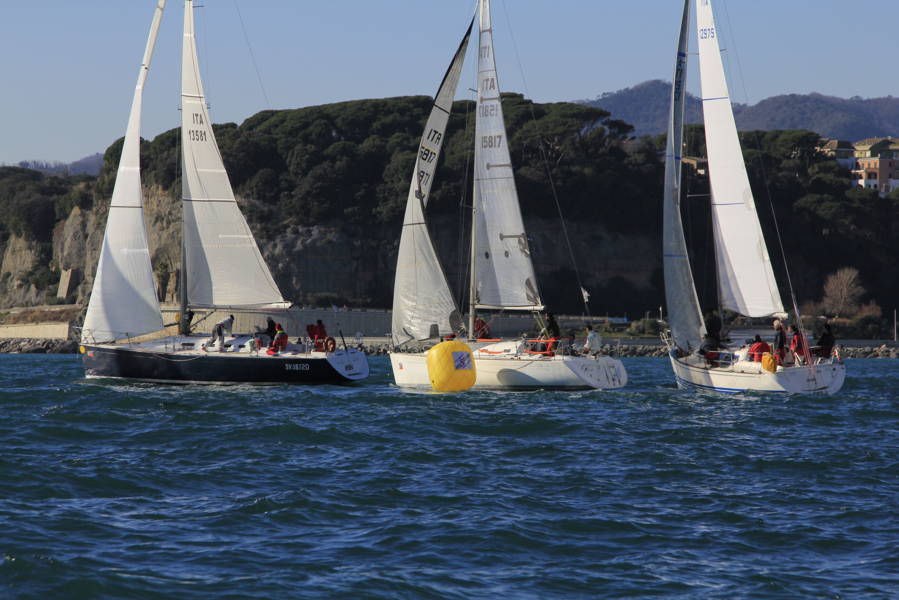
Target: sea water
{"x":142,"y":491}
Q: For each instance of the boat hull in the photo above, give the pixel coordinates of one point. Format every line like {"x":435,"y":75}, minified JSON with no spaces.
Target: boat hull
{"x":823,"y":378}
{"x":515,"y":373}
{"x":108,"y":361}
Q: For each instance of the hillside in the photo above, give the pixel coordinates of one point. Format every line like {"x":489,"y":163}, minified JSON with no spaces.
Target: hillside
{"x":89,"y":165}
{"x":646,"y":107}
{"x":324,"y":189}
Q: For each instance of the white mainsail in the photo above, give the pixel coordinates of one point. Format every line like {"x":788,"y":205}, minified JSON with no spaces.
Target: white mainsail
{"x":223,"y":264}
{"x":745,"y":277}
{"x":123,"y":299}
{"x":684,"y":313}
{"x":503,"y":274}
{"x":421,"y":296}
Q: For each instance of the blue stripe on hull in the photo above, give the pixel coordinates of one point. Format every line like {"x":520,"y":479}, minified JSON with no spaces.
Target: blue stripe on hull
{"x":709,"y":388}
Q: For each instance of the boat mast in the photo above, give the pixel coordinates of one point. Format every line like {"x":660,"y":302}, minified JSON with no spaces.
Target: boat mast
{"x":183,"y":321}
{"x":472,"y":280}
{"x":472,"y":285}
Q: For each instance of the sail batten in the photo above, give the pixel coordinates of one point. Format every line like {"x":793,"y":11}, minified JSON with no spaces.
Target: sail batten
{"x":422,"y":301}
{"x":123,"y":300}
{"x":746,"y":279}
{"x":503,"y":274}
{"x":684,"y":312}
{"x":222,"y":261}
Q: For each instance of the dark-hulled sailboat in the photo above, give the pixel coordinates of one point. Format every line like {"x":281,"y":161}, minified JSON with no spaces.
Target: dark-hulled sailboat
{"x":221,"y":267}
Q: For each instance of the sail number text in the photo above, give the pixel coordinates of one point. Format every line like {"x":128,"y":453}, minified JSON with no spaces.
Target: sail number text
{"x":706,"y":33}
{"x":488,"y":110}
{"x":197,"y":135}
{"x":491,"y":141}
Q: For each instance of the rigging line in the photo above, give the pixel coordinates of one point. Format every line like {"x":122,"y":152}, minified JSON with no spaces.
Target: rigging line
{"x":246,"y":38}
{"x":552,"y":183}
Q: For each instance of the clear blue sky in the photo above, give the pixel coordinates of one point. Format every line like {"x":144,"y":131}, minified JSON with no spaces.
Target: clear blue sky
{"x":69,"y":66}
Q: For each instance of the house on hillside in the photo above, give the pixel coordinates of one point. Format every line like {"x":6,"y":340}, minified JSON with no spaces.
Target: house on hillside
{"x":877,"y":164}
{"x":873,"y":162}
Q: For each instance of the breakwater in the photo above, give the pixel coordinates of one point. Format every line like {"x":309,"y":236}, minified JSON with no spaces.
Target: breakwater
{"x":37,"y":346}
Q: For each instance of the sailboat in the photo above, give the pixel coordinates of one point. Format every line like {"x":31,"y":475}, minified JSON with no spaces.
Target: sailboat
{"x":746,"y":282}
{"x":501,"y":272}
{"x":221,"y":267}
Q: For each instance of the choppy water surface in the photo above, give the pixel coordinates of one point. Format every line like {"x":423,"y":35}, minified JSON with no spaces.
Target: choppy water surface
{"x":136,"y":491}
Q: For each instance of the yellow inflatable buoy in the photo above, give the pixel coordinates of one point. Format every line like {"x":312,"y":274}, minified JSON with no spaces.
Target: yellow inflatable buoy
{"x":451,"y":367}
{"x":768,"y":362}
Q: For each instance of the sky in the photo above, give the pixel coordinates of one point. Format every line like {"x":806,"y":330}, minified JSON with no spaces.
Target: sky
{"x":69,"y":66}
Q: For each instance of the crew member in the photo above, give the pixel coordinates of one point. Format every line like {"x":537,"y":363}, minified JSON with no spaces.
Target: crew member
{"x":797,"y":345}
{"x":780,"y":341}
{"x":551,"y":328}
{"x":481,"y":329}
{"x":826,"y":341}
{"x":757,"y":349}
{"x":267,"y":334}
{"x":279,"y":341}
{"x":593,"y":345}
{"x":218,"y":331}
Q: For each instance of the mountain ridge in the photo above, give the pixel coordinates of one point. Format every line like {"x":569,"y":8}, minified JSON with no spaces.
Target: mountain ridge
{"x":646,"y":107}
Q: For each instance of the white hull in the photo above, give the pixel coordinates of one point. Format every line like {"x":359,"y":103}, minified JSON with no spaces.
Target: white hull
{"x":521,"y":373}
{"x":692,"y":372}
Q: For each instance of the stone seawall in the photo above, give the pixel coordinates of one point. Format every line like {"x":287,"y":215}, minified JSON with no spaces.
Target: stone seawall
{"x":36,"y":346}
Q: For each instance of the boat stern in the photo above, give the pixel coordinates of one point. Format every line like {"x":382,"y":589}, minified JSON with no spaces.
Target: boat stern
{"x":351,"y":364}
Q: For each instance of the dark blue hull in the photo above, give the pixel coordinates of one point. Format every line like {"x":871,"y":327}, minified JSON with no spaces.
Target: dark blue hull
{"x":173,"y":367}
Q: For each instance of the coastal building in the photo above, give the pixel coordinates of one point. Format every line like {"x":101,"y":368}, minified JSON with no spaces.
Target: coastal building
{"x":877,"y":164}
{"x":873,"y":162}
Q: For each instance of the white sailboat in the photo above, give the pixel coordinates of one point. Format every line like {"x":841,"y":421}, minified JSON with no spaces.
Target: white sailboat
{"x":746,"y":282}
{"x":221,"y":266}
{"x":502,"y":274}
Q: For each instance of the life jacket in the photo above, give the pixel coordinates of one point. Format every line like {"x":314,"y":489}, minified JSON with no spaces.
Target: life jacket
{"x":757,"y":350}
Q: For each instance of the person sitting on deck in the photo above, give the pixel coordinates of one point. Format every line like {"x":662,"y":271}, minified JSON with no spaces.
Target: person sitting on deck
{"x":268,"y":334}
{"x":279,"y":342}
{"x":481,"y":329}
{"x":709,"y":348}
{"x":757,"y":349}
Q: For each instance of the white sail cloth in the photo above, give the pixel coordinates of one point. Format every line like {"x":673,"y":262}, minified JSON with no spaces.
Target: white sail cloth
{"x":222,"y":261}
{"x":746,"y":279}
{"x":123,"y":300}
{"x":422,"y":300}
{"x":503,"y":271}
{"x":684,"y":313}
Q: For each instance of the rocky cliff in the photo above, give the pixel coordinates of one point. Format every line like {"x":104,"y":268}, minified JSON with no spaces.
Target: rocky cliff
{"x":324,"y":190}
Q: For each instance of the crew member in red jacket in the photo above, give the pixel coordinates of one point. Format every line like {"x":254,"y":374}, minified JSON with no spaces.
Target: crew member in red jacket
{"x":757,"y":349}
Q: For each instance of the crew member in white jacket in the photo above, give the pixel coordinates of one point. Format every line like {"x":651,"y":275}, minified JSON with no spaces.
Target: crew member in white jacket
{"x":218,"y":331}
{"x":594,"y":341}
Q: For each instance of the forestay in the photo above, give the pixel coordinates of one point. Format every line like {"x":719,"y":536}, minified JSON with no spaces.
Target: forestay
{"x":684,"y":313}
{"x":746,"y":280}
{"x":123,"y":300}
{"x":222,"y":261}
{"x":503,"y":271}
{"x":421,"y":296}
